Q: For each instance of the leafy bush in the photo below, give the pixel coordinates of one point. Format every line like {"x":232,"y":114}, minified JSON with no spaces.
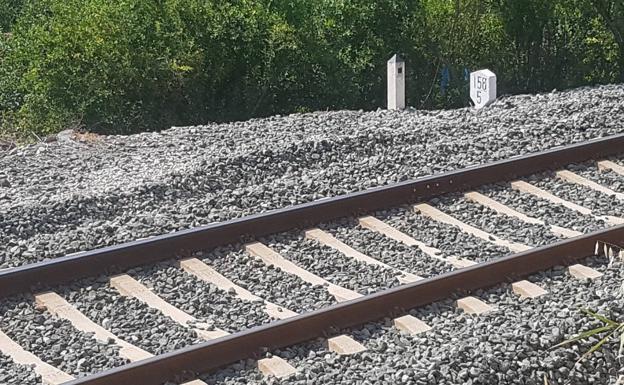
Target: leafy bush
{"x":132,"y":65}
{"x":9,"y":11}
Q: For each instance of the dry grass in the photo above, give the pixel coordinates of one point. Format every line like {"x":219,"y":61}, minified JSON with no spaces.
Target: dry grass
{"x":87,"y":137}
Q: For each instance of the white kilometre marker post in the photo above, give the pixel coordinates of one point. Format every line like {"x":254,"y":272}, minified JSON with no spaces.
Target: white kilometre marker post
{"x":482,"y":88}
{"x":396,"y":83}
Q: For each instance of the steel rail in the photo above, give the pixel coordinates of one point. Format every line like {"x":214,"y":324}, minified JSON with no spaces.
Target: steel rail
{"x":214,"y":354}
{"x":121,"y":257}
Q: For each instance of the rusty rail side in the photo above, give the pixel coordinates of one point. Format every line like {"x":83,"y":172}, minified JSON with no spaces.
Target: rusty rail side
{"x":40,"y":275}
{"x":389,"y":303}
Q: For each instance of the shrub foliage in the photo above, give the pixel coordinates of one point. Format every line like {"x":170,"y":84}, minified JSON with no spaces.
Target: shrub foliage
{"x":129,"y":65}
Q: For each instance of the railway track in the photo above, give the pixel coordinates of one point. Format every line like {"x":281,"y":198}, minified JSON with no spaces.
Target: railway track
{"x":358,"y":258}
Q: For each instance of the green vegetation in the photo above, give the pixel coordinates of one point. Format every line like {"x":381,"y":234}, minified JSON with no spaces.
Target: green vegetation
{"x":606,"y":332}
{"x":129,"y":65}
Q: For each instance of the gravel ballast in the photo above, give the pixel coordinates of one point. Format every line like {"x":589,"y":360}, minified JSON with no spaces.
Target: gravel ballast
{"x":332,"y":265}
{"x":607,"y":178}
{"x":131,"y":320}
{"x":386,"y":250}
{"x":204,"y":301}
{"x":269,"y":283}
{"x":511,"y":345}
{"x":599,"y":203}
{"x":550,"y":213}
{"x":450,"y":240}
{"x":54,"y":340}
{"x":14,"y":374}
{"x":488,"y":220}
{"x":68,"y":196}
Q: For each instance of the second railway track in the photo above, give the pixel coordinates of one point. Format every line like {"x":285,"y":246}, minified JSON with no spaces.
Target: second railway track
{"x":348,"y":260}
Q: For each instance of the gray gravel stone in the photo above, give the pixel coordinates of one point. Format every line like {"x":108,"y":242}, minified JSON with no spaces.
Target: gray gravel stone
{"x":607,"y":178}
{"x":550,"y":213}
{"x":512,"y":345}
{"x":204,"y":301}
{"x":451,"y":241}
{"x":331,"y":264}
{"x":503,"y":226}
{"x":76,"y":196}
{"x":384,"y":249}
{"x":54,"y":340}
{"x":14,"y":374}
{"x":267,"y":282}
{"x":130,"y":319}
{"x":599,"y":203}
